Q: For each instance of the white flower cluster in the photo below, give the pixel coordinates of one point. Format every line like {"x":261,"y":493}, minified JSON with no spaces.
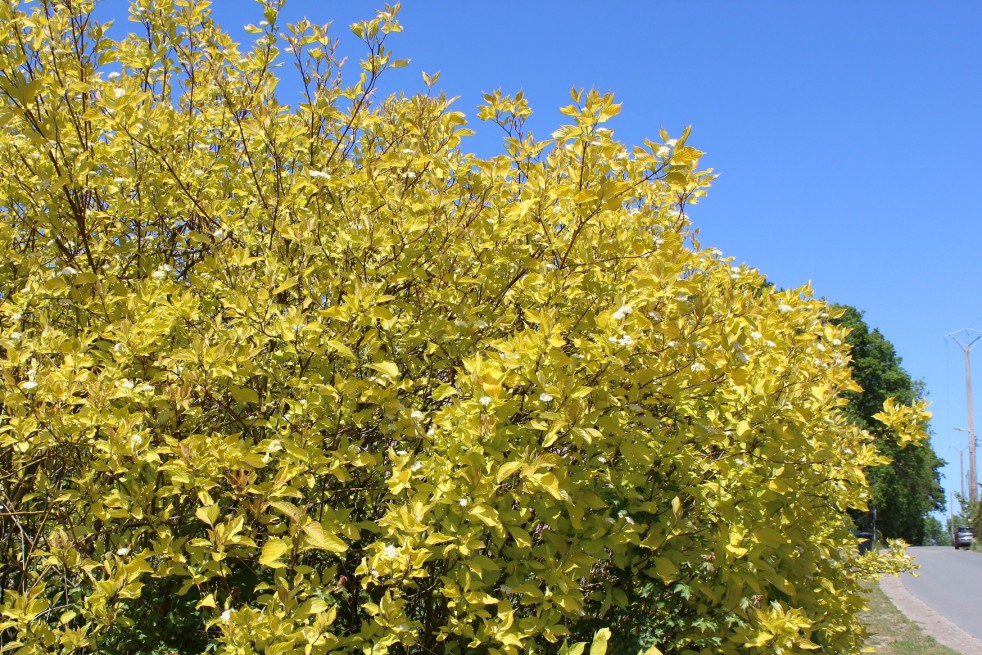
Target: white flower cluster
{"x":162,"y":272}
{"x":30,"y":382}
{"x":621,"y":312}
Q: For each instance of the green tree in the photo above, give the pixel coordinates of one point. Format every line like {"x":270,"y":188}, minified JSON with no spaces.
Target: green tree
{"x":908,"y":489}
{"x":936,"y":532}
{"x":312,"y":378}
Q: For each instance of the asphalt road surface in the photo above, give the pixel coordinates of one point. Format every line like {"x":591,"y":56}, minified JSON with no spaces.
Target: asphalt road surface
{"x":950,"y":583}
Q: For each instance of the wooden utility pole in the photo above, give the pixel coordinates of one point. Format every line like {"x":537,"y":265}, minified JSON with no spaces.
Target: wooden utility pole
{"x":951,"y":516}
{"x":973,"y":489}
{"x":961,"y":469}
{"x":973,"y":486}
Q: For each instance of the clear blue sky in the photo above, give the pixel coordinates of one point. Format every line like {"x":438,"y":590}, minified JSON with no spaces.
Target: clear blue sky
{"x":847,"y":135}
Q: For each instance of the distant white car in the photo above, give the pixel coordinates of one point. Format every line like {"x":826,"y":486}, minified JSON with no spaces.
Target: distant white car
{"x":963,"y":537}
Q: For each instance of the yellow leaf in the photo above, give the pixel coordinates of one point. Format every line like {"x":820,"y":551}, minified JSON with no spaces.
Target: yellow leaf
{"x":553,"y":434}
{"x":286,"y":285}
{"x":599,"y":645}
{"x":207,"y":514}
{"x":244,"y":395}
{"x":443,"y":391}
{"x":507,"y":469}
{"x":342,"y":349}
{"x":318,"y":538}
{"x":386,"y":368}
{"x":522,"y":538}
{"x":551,"y":484}
{"x":273,"y":550}
{"x":484,"y":515}
{"x":288,"y":509}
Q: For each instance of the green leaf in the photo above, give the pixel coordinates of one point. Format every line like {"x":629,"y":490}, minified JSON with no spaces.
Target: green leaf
{"x":666,"y":569}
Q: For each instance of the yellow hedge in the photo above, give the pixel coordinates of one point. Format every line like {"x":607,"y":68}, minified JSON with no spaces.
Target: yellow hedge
{"x":312,"y":379}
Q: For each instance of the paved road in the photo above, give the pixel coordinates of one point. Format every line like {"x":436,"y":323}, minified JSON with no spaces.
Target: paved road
{"x":950,"y":583}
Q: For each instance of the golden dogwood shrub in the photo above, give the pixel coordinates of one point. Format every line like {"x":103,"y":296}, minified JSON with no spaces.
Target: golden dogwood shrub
{"x":311,"y":378}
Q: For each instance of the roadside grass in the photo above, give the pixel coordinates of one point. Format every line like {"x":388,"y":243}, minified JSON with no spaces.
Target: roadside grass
{"x":892,"y":633}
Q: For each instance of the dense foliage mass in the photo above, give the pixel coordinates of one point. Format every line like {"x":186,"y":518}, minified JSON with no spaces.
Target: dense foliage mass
{"x":908,"y":489}
{"x":313,"y":379}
